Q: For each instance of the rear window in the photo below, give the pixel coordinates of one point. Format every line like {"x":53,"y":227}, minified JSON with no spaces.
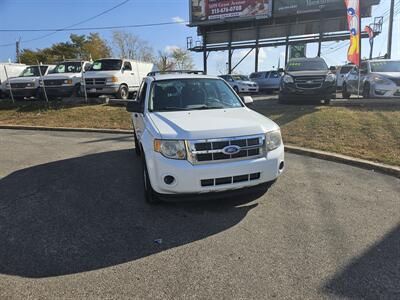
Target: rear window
{"x":346,"y":69}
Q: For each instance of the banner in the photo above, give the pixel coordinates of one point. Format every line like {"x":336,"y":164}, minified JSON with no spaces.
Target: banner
{"x":353,"y":18}
{"x":203,"y":11}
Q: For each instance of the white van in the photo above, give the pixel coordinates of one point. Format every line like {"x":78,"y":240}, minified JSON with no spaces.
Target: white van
{"x":13,"y":70}
{"x":66,"y":79}
{"x":115,"y":76}
{"x":27,"y":83}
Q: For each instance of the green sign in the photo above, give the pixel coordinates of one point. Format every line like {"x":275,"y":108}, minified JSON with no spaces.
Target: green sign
{"x":297,"y":51}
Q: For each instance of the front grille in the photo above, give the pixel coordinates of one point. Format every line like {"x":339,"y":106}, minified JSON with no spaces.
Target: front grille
{"x":204,"y":151}
{"x":95,"y":81}
{"x":309,"y":82}
{"x":53,"y":82}
{"x":21,"y":85}
{"x":230,"y":180}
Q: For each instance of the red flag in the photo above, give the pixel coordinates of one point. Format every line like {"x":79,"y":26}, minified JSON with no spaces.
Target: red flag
{"x":353,"y":18}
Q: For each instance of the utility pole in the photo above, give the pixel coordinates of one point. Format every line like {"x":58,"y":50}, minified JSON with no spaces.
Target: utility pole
{"x":17,"y":50}
{"x":390,"y":37}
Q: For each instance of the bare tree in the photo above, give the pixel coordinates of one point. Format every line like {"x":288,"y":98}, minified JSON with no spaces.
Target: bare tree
{"x":128,"y":45}
{"x":183,"y":59}
{"x":165,"y":62}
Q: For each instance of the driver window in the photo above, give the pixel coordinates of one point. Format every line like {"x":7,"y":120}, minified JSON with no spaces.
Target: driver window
{"x":127,"y":66}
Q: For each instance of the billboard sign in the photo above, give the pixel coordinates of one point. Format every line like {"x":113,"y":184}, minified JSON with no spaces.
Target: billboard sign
{"x":217,"y":11}
{"x":295,"y":7}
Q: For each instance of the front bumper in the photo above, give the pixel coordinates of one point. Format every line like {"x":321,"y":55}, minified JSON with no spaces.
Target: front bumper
{"x":326,"y":91}
{"x":188,"y":177}
{"x":248,"y":89}
{"x":382,"y":91}
{"x":60,"y":91}
{"x":102,"y":89}
{"x":25,"y":92}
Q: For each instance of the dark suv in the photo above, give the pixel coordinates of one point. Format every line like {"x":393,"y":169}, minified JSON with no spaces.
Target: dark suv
{"x":307,"y":79}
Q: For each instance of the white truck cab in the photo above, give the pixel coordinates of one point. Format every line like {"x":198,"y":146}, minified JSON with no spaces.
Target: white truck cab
{"x":66,"y":79}
{"x":9,"y":70}
{"x":27,"y":83}
{"x":196,"y":136}
{"x":115,"y":76}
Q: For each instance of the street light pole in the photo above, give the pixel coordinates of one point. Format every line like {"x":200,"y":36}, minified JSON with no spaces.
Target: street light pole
{"x":390,"y":36}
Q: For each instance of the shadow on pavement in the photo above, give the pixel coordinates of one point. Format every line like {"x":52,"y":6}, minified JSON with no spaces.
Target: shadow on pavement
{"x":88,"y":213}
{"x":374,"y":275}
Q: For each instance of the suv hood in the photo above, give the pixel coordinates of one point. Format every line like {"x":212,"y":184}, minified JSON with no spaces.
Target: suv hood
{"x":208,"y":124}
{"x":62,"y":76}
{"x":100,"y":74}
{"x":23,"y":79}
{"x":387,"y":74}
{"x":308,"y":73}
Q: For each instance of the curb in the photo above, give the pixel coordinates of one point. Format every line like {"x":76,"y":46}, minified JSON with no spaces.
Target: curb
{"x":66,"y":129}
{"x":339,"y":158}
{"x":348,"y":160}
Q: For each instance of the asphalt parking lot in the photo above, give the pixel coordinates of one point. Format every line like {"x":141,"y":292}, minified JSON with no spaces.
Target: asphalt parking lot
{"x":74,"y":224}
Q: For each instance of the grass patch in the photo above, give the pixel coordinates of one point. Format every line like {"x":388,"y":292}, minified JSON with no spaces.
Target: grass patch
{"x":358,"y":131}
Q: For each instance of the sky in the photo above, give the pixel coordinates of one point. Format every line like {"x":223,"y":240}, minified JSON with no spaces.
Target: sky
{"x":36,"y":14}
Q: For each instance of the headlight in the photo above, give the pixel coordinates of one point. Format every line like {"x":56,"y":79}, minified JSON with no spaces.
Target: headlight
{"x":273,"y":140}
{"x":330,"y":78}
{"x":68,"y":81}
{"x":381,"y":80}
{"x":288,"y":79}
{"x":112,"y":79}
{"x":171,"y":149}
{"x":30,"y":85}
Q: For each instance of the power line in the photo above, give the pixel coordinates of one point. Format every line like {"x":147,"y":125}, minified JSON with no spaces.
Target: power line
{"x":73,"y":25}
{"x":95,"y":28}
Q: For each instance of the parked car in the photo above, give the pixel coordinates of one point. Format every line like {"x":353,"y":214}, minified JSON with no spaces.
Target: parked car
{"x":341,"y":75}
{"x":307,"y":79}
{"x":241,"y":83}
{"x":117,"y":77}
{"x":196,"y":136}
{"x":378,"y":79}
{"x":66,"y":79}
{"x":13,"y":70}
{"x":267,"y":81}
{"x":27,"y":83}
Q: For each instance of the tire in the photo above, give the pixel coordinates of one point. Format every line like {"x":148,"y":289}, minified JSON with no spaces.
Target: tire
{"x":77,"y":92}
{"x":149,"y":194}
{"x":123,"y":92}
{"x":236,"y":89}
{"x":137,"y":145}
{"x":366,"y":91}
{"x":345,"y":93}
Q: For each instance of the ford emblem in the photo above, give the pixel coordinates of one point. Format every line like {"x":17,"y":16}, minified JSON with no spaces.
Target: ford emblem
{"x":231,"y":150}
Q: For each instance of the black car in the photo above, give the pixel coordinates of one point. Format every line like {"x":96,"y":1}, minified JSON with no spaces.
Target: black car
{"x":307,"y":79}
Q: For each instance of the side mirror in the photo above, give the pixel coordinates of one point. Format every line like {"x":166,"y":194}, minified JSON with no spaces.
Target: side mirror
{"x":332,"y":68}
{"x":281,"y":70}
{"x":134,"y":107}
{"x":248,"y":100}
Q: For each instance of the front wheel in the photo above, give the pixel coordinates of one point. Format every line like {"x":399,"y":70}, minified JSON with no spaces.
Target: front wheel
{"x":149,"y":193}
{"x":77,"y":92}
{"x":345,"y":93}
{"x":123,"y":92}
{"x":366,"y":91}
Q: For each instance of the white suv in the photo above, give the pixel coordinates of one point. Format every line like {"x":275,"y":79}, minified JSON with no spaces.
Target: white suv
{"x":196,"y":137}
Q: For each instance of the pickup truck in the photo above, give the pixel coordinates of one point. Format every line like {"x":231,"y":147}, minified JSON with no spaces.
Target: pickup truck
{"x":197,"y":137}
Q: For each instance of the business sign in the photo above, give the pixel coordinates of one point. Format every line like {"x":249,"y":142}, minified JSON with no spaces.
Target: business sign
{"x":297,"y":7}
{"x":216,"y":11}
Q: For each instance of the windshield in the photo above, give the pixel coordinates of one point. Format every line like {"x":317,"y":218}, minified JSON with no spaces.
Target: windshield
{"x":385,"y":66}
{"x":70,"y":67}
{"x":33,"y":71}
{"x":240,"y":78}
{"x":192,"y":94}
{"x":107,"y":65}
{"x":307,"y":65}
{"x":345,"y":70}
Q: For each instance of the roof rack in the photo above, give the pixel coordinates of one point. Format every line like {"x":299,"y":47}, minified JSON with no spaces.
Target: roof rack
{"x":154,"y":73}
